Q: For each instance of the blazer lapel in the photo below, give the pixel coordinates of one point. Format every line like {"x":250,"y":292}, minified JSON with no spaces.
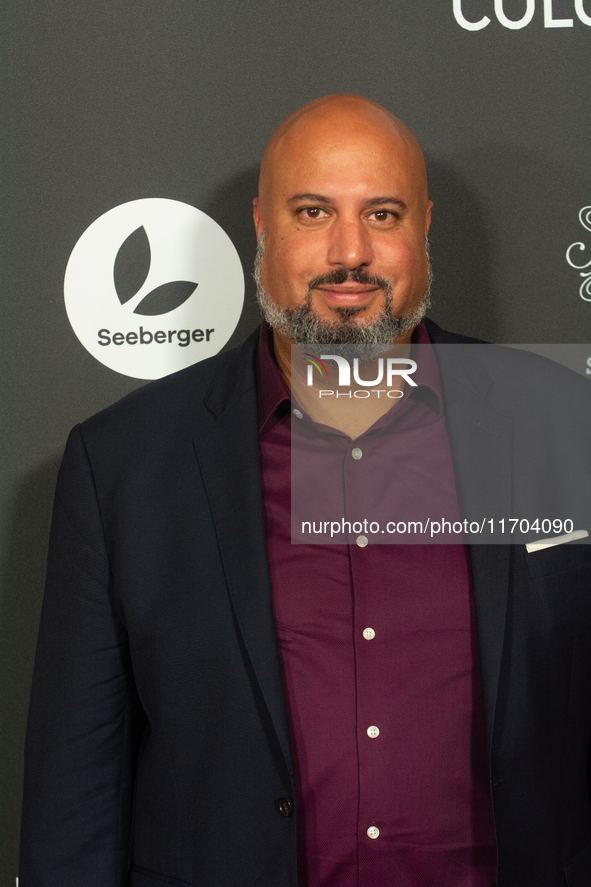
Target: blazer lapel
{"x":228,"y":456}
{"x":481,"y":442}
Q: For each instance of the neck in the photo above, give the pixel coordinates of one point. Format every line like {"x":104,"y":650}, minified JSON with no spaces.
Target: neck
{"x":351,"y":415}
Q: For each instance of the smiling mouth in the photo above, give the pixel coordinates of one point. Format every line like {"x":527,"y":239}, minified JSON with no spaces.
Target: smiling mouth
{"x":353,"y":296}
{"x":348,"y":289}
{"x":348,"y":292}
{"x":350,"y":299}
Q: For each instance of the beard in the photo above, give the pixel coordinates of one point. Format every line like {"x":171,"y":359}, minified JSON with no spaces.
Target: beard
{"x":303,"y":326}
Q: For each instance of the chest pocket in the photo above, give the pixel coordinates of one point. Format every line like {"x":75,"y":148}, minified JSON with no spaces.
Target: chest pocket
{"x":558,"y":558}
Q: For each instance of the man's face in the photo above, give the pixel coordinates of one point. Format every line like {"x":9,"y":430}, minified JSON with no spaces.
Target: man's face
{"x":345,"y":215}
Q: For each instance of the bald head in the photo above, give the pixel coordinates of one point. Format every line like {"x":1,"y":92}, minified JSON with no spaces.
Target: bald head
{"x":344,"y":208}
{"x":334,"y":119}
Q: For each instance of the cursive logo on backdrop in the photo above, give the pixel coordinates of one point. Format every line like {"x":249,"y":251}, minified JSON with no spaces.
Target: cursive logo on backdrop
{"x":585,"y":288}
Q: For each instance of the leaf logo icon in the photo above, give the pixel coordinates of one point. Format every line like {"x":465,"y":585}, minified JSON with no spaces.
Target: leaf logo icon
{"x":130,"y":272}
{"x":132,"y":265}
{"x":166,"y":298}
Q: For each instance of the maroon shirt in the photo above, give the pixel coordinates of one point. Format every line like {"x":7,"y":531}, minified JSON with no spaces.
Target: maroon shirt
{"x":379,"y":658}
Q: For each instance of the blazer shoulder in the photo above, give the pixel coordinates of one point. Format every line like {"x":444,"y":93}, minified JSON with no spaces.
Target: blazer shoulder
{"x":509,"y":362}
{"x":440,"y":336}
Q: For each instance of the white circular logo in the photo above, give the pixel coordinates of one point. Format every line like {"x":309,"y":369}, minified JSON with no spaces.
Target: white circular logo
{"x":153,"y":286}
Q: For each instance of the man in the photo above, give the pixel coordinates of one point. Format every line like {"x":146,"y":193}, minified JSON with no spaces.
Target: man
{"x":215,"y":706}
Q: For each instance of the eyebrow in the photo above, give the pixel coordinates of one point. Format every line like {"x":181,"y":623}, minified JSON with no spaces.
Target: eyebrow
{"x":322,"y":198}
{"x":378,"y":201}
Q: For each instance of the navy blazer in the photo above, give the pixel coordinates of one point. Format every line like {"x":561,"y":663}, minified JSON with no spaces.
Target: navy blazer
{"x":158,"y":745}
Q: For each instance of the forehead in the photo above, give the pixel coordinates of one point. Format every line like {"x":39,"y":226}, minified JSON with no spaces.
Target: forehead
{"x":343,"y":158}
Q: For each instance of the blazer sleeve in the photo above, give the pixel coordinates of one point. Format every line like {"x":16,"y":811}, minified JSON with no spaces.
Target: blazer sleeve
{"x":85,"y":720}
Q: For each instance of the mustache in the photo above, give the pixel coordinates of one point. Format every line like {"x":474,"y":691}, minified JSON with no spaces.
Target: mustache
{"x":341,"y":275}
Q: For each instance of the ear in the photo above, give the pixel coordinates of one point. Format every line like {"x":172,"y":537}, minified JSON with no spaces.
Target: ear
{"x":428,"y":217}
{"x":257,"y":215}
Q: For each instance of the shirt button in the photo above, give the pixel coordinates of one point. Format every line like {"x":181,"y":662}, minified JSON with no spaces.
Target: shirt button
{"x":361,"y":541}
{"x":373,"y":732}
{"x":369,"y":634}
{"x":284,"y":805}
{"x":373,"y":832}
{"x":298,"y":414}
{"x":356,"y":453}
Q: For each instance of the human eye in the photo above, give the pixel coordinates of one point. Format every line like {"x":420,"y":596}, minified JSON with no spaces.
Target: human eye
{"x":312,"y":213}
{"x":383,"y":216}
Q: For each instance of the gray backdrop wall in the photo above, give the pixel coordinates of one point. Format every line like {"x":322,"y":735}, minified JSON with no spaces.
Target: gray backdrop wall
{"x":105,"y":103}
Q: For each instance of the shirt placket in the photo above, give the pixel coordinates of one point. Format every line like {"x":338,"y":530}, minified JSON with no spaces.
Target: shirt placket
{"x":368,"y":643}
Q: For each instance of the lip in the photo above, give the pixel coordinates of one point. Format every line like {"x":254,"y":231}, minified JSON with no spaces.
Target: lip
{"x":349,"y":295}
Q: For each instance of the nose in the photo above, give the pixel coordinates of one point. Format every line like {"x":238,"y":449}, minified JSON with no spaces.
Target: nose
{"x":350,"y":244}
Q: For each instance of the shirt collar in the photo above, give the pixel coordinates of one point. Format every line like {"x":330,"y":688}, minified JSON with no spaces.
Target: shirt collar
{"x":274,"y":397}
{"x":427,"y":375}
{"x":272,"y":389}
